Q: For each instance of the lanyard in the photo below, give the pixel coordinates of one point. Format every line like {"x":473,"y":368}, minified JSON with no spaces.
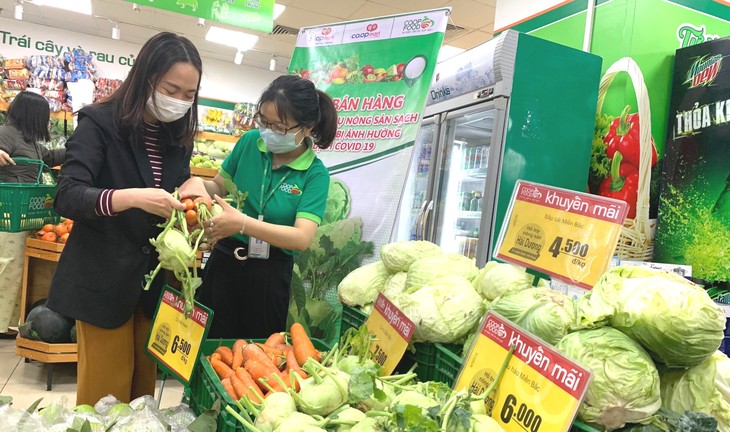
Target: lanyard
{"x":262,"y":201}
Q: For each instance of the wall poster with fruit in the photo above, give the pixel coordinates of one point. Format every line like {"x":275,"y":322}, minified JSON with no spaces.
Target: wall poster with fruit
{"x":378,"y":72}
{"x":649,"y":32}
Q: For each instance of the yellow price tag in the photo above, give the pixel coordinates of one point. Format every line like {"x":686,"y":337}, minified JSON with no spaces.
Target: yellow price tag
{"x":568,"y":235}
{"x":540,"y":389}
{"x":175,"y":339}
{"x":392,"y":330}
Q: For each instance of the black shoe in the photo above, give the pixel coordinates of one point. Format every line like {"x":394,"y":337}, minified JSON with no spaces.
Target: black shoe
{"x":10,"y":334}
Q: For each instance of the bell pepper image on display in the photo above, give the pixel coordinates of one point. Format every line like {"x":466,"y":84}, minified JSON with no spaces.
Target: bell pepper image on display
{"x":622,"y":184}
{"x":623,"y":137}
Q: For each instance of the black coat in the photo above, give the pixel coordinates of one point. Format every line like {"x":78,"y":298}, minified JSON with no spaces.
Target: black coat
{"x":100,"y":275}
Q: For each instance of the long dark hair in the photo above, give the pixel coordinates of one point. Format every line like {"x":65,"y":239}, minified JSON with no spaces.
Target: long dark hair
{"x":296,"y":98}
{"x":29,"y":114}
{"x":157,"y":56}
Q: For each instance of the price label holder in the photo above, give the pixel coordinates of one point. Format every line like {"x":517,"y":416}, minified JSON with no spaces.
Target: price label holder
{"x":392,"y":330}
{"x":540,"y":389}
{"x":174,"y":341}
{"x":568,"y":235}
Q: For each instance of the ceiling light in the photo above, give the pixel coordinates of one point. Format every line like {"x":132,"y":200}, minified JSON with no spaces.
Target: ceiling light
{"x":78,"y":6}
{"x":278,"y":10}
{"x":239,"y":57}
{"x":18,"y":10}
{"x":272,"y":64}
{"x":136,"y":7}
{"x":201,"y":22}
{"x":448,"y":51}
{"x":115,"y":31}
{"x":236,"y":39}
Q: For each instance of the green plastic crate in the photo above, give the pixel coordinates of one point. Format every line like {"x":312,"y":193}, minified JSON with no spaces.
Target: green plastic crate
{"x":352,"y":318}
{"x":27,"y":206}
{"x":206,"y":387}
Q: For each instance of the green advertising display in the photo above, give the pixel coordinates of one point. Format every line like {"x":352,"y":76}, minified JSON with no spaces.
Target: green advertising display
{"x":252,"y":14}
{"x":378,"y":72}
{"x":648,"y":32}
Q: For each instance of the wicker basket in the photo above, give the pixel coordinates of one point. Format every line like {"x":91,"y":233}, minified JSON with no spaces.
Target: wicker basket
{"x":636,"y":241}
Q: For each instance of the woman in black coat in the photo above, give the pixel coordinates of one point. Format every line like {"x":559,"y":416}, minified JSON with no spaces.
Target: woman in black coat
{"x":126,"y":156}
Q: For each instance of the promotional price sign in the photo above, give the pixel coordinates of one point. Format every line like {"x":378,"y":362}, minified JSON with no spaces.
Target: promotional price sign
{"x":568,"y":235}
{"x":175,"y":340}
{"x":392,"y":330}
{"x":540,"y":389}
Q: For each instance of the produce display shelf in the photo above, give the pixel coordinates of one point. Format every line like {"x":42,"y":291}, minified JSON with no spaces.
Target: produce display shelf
{"x":206,"y":173}
{"x":217,"y":136}
{"x":206,"y":388}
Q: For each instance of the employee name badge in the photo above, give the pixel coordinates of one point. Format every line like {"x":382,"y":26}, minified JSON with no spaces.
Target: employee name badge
{"x":258,"y":248}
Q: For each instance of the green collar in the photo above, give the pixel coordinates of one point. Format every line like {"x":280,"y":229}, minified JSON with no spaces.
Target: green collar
{"x":302,"y":163}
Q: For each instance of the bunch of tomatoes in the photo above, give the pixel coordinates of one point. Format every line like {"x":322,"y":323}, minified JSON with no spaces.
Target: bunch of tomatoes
{"x":56,"y":233}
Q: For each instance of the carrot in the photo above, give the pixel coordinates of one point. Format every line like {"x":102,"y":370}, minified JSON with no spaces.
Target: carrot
{"x":226,"y":354}
{"x":221,"y":369}
{"x":275,"y":339}
{"x":237,"y":354}
{"x":303,"y":347}
{"x":259,"y":370}
{"x":252,"y":389}
{"x":292,"y":365}
{"x":284,"y":347}
{"x":254,"y":352}
{"x":215,"y":355}
{"x":270,"y":349}
{"x":229,"y":388}
{"x":276,"y":355}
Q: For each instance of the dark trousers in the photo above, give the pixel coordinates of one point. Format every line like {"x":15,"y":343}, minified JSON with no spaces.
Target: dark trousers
{"x":249,"y":298}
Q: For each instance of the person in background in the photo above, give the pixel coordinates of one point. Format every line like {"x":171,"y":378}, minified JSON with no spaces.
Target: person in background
{"x":125,"y":158}
{"x":248,"y":275}
{"x":25,"y":128}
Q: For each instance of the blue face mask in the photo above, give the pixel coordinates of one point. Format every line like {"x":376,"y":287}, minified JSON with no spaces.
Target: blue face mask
{"x":279,"y":144}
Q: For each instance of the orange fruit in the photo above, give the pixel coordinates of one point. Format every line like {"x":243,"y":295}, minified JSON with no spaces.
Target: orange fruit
{"x":60,"y":229}
{"x":63,"y":239}
{"x":47,"y":227}
{"x":50,"y":236}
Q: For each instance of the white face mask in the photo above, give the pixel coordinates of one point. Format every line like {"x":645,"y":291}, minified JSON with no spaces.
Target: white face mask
{"x":279,"y":144}
{"x":168,"y":109}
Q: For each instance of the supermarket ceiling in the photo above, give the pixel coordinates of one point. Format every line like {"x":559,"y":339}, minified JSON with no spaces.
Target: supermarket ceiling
{"x":472,"y":23}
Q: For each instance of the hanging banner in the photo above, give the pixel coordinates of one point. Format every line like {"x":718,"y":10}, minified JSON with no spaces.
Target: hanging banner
{"x":253,"y":14}
{"x":378,"y":71}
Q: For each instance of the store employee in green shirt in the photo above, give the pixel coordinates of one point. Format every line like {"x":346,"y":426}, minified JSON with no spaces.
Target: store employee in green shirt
{"x":248,"y":275}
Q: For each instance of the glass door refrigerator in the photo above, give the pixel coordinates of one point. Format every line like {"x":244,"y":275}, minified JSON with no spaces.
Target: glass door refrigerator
{"x":516,"y":107}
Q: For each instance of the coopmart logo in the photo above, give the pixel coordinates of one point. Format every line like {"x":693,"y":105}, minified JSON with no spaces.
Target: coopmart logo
{"x":704,"y":71}
{"x":371,"y":32}
{"x":325,"y":35}
{"x":418,"y":25}
{"x":290,"y":189}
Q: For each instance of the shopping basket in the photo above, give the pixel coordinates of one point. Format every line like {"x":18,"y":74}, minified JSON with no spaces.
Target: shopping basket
{"x":636,"y":241}
{"x":27,"y":206}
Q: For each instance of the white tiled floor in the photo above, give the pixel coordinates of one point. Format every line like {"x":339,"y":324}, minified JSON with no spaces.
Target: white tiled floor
{"x":26,"y":382}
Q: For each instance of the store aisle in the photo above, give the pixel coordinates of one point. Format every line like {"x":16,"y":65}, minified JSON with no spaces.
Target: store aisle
{"x":26,"y":382}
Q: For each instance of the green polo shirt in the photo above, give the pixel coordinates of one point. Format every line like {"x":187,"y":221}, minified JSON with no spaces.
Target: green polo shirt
{"x":301,"y":194}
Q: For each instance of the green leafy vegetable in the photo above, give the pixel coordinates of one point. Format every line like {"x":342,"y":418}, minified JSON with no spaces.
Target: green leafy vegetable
{"x":600,"y":163}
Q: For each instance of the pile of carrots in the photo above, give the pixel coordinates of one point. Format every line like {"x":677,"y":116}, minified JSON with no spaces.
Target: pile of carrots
{"x":256,"y":370}
{"x":55,"y":233}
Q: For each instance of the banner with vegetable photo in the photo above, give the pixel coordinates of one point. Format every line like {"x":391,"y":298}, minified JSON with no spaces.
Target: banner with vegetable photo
{"x":378,"y":72}
{"x":650,"y":32}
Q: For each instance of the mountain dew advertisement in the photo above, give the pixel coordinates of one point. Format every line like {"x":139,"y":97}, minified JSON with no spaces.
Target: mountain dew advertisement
{"x":378,"y":72}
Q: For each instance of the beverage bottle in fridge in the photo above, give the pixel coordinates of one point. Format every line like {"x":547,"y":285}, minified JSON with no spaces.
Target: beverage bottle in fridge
{"x":475,"y":203}
{"x":478,"y":157}
{"x":465,"y":201}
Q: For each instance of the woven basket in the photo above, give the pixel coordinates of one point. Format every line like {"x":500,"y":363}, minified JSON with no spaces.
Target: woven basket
{"x":636,"y":241}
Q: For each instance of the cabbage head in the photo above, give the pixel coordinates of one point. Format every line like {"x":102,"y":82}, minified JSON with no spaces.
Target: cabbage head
{"x":427,"y":269}
{"x":625,"y":385}
{"x":362,"y":285}
{"x":497,"y":279}
{"x":444,"y":310}
{"x":672,"y":318}
{"x":704,"y":388}
{"x":399,"y":256}
{"x":545,"y":313}
{"x":338,"y":202}
{"x":395,"y":287}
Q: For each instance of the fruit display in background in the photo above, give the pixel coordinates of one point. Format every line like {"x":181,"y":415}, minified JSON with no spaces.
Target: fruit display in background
{"x":55,"y":233}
